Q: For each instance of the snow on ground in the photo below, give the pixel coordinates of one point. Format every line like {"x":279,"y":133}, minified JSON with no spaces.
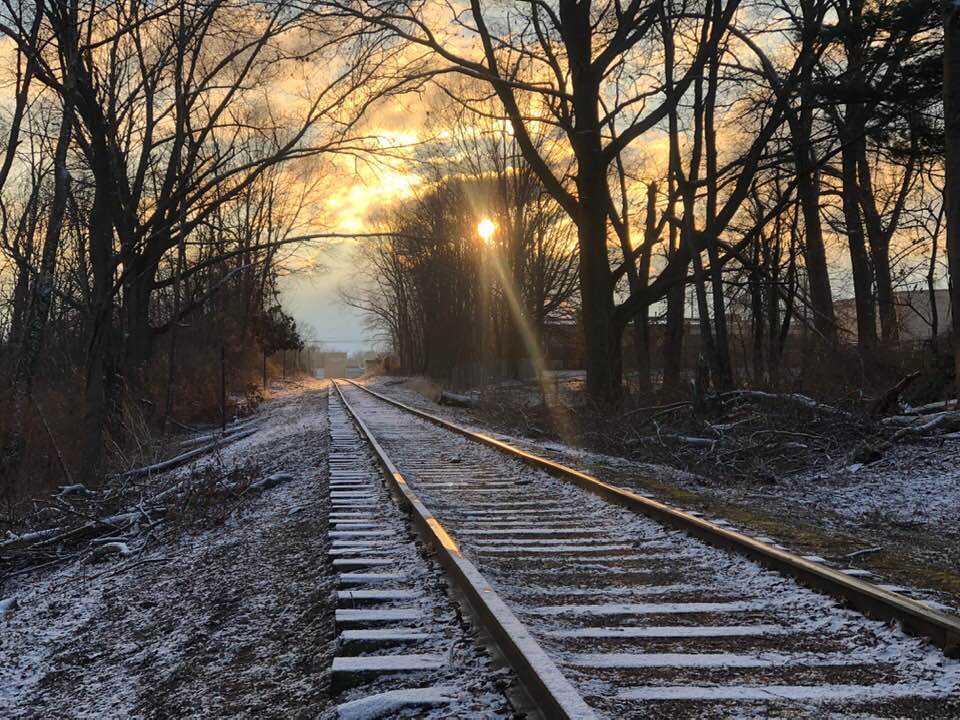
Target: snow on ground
{"x":911,"y":485}
{"x":223,"y":621}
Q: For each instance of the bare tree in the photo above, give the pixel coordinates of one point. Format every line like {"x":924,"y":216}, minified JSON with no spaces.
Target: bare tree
{"x":951,"y":114}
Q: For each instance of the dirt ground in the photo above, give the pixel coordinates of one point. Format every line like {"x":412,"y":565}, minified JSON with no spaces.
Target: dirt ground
{"x":807,"y":480}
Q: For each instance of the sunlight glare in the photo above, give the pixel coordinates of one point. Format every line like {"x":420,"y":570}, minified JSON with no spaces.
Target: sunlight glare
{"x":485,"y":229}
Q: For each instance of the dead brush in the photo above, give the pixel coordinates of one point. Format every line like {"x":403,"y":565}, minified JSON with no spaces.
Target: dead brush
{"x":210,"y":495}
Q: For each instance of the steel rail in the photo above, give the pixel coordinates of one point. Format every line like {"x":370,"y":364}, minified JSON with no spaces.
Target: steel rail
{"x":917,"y":618}
{"x":543,"y":682}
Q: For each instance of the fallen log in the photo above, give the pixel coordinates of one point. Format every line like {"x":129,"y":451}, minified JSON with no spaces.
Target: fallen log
{"x":456,"y":400}
{"x":184,"y":457}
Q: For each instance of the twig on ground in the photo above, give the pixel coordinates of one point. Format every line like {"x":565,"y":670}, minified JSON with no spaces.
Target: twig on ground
{"x":860,"y":553}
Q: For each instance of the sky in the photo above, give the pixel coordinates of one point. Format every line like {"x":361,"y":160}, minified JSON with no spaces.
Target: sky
{"x":313,"y":300}
{"x":348,"y":203}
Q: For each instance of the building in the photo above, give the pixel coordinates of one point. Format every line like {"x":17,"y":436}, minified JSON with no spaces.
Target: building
{"x":332,"y":365}
{"x":914,"y":315}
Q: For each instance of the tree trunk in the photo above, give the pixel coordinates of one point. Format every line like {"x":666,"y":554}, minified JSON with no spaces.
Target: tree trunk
{"x":99,"y":365}
{"x":138,"y":340}
{"x":880,"y":254}
{"x":951,"y":105}
{"x":723,"y":367}
{"x":859,"y":260}
{"x":673,"y":337}
{"x":879,"y":240}
{"x":815,"y":254}
{"x":757,"y":320}
{"x":20,"y":301}
{"x":41,"y":291}
{"x":642,"y":320}
{"x":852,"y":138}
{"x":601,"y":331}
{"x":223,"y":388}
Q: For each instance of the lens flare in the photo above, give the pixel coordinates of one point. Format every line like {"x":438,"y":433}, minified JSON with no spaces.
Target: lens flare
{"x":528,"y":336}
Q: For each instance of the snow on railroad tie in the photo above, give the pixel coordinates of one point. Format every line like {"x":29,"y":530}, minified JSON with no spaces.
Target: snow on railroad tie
{"x":545,"y":507}
{"x":387,"y":663}
{"x":362,"y":562}
{"x":669,"y":608}
{"x":552,"y":549}
{"x":484,"y":514}
{"x":358,"y":550}
{"x":720,"y":660}
{"x":363,"y":617}
{"x":354,"y":670}
{"x":377,"y":595}
{"x":539,"y":531}
{"x":369,"y":578}
{"x":672,"y":631}
{"x":540,"y":542}
{"x":786,"y":693}
{"x":388,"y":703}
{"x":574,"y":591}
{"x":384,"y":635}
{"x":360,"y":533}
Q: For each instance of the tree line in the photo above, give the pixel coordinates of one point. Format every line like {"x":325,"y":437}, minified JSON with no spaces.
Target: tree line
{"x":158,"y":161}
{"x":761,"y":157}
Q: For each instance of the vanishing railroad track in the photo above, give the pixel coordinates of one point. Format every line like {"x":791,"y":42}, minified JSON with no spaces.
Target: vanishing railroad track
{"x":603,"y":610}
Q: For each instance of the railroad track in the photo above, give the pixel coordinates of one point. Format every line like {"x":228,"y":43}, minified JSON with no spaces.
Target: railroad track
{"x":605,"y":612}
{"x":402,"y":650}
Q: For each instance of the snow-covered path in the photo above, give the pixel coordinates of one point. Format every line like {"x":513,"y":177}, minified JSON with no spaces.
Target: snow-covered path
{"x":222,"y":621}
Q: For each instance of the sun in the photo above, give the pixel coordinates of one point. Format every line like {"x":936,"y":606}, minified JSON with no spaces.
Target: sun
{"x":485,"y":229}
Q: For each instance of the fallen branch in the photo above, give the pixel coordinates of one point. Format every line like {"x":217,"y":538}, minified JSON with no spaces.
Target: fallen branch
{"x":181,"y":459}
{"x":228,"y":435}
{"x":658,"y":409}
{"x":951,"y":421}
{"x":931,"y":407}
{"x":803,"y":401}
{"x":860,"y":553}
{"x":684,"y":439}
